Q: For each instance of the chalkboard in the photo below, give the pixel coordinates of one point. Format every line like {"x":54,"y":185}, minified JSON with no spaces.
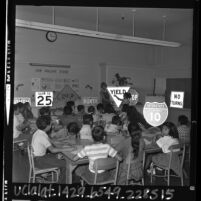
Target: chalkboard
{"x":179,"y":84}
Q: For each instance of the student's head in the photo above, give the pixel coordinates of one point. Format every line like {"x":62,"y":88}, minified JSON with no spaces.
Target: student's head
{"x":88,"y":119}
{"x":169,"y":129}
{"x":16,"y":109}
{"x":71,"y":104}
{"x":103,"y":85}
{"x":100,"y":107}
{"x":27,"y":105}
{"x":135,"y":133}
{"x":44,"y":111}
{"x":91,"y":109}
{"x":116,"y":120}
{"x":98,"y":134}
{"x":109,"y":108}
{"x":21,"y":107}
{"x":73,"y":128}
{"x":127,"y":95}
{"x":183,"y":120}
{"x":67,"y":110}
{"x":80,"y":108}
{"x":44,"y":123}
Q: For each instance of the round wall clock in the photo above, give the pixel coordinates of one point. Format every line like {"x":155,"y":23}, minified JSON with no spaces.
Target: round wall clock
{"x":51,"y":36}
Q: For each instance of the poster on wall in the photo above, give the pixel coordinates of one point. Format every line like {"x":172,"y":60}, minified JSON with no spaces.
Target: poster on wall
{"x":66,"y":94}
{"x":47,"y":84}
{"x":35,"y":84}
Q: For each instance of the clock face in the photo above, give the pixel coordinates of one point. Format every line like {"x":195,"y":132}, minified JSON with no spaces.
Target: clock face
{"x":51,"y":36}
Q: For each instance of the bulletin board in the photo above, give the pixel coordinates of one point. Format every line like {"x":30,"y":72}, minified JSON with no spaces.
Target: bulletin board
{"x":179,"y":84}
{"x":66,"y":83}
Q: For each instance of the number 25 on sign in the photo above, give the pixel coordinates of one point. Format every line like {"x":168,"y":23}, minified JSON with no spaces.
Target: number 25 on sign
{"x":155,"y":113}
{"x":43,"y":98}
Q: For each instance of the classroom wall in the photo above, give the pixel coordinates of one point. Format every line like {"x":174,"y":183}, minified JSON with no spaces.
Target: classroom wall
{"x":86,"y":56}
{"x":95,"y":60}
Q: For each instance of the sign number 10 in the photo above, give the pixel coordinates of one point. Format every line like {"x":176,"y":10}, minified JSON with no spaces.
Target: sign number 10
{"x":43,"y":99}
{"x":155,"y":116}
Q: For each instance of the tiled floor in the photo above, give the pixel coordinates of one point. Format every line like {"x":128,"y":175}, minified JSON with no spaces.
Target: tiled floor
{"x":21,"y":170}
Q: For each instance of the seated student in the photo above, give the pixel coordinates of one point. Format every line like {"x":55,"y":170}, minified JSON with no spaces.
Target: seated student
{"x":109,"y":112}
{"x":73,"y":130}
{"x":68,"y":117}
{"x":100,"y":109}
{"x":115,"y":126}
{"x":85,"y":132}
{"x":80,"y":113}
{"x":95,"y":151}
{"x":72,"y":105}
{"x":91,"y":110}
{"x":45,"y":111}
{"x":41,"y":143}
{"x":19,"y":125}
{"x":183,"y":129}
{"x":27,"y":113}
{"x":169,"y":137}
{"x":131,"y":149}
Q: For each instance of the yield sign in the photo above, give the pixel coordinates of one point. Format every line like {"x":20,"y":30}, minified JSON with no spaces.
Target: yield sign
{"x":117,"y":94}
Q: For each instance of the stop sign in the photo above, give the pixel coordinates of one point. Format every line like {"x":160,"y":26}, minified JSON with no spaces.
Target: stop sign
{"x":155,"y":113}
{"x":134,"y":96}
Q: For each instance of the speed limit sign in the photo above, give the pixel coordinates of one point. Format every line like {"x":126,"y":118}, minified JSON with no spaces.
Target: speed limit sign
{"x":43,"y":98}
{"x":155,"y":113}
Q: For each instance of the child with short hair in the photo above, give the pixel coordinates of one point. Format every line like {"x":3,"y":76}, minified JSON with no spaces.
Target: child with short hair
{"x":80,"y":113}
{"x":95,"y":151}
{"x":45,"y":111}
{"x":183,"y":129}
{"x":85,"y":132}
{"x":115,"y":126}
{"x":41,"y":143}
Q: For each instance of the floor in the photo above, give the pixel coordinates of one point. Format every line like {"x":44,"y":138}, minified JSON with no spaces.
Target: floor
{"x":21,"y":170}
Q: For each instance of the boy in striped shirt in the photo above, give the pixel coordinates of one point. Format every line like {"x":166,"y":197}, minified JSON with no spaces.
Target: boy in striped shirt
{"x":95,"y":151}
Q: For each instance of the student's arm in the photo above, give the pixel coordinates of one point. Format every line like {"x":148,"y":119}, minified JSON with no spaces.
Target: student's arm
{"x":80,"y":154}
{"x":118,"y":157}
{"x":113,"y":153}
{"x":56,"y":150}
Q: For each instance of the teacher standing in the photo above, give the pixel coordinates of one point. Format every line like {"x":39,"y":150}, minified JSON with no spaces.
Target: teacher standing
{"x":104,"y":95}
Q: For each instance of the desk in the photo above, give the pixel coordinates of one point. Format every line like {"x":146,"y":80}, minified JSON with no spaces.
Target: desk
{"x":75,"y":145}
{"x":23,"y":138}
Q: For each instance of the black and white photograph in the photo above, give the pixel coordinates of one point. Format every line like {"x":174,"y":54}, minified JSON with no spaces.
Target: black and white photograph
{"x":103,"y":97}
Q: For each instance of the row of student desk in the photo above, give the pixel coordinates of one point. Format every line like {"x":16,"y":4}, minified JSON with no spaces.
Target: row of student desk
{"x":78,"y":144}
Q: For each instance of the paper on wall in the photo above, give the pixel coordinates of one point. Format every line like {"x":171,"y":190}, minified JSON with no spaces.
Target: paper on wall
{"x":35,"y":84}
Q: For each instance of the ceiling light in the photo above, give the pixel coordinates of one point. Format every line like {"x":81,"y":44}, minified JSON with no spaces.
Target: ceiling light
{"x":93,"y":34}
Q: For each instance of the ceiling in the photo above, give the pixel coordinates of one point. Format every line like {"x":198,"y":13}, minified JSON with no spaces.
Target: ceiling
{"x":148,"y":22}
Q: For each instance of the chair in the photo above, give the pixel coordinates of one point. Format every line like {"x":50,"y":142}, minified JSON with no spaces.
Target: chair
{"x":103,"y":164}
{"x":178,"y":152}
{"x":33,"y":171}
{"x":128,"y":178}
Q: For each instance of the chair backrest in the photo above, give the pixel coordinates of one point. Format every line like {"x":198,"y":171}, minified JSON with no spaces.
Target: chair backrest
{"x":106,"y":164}
{"x":30,"y":156}
{"x":178,"y":150}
